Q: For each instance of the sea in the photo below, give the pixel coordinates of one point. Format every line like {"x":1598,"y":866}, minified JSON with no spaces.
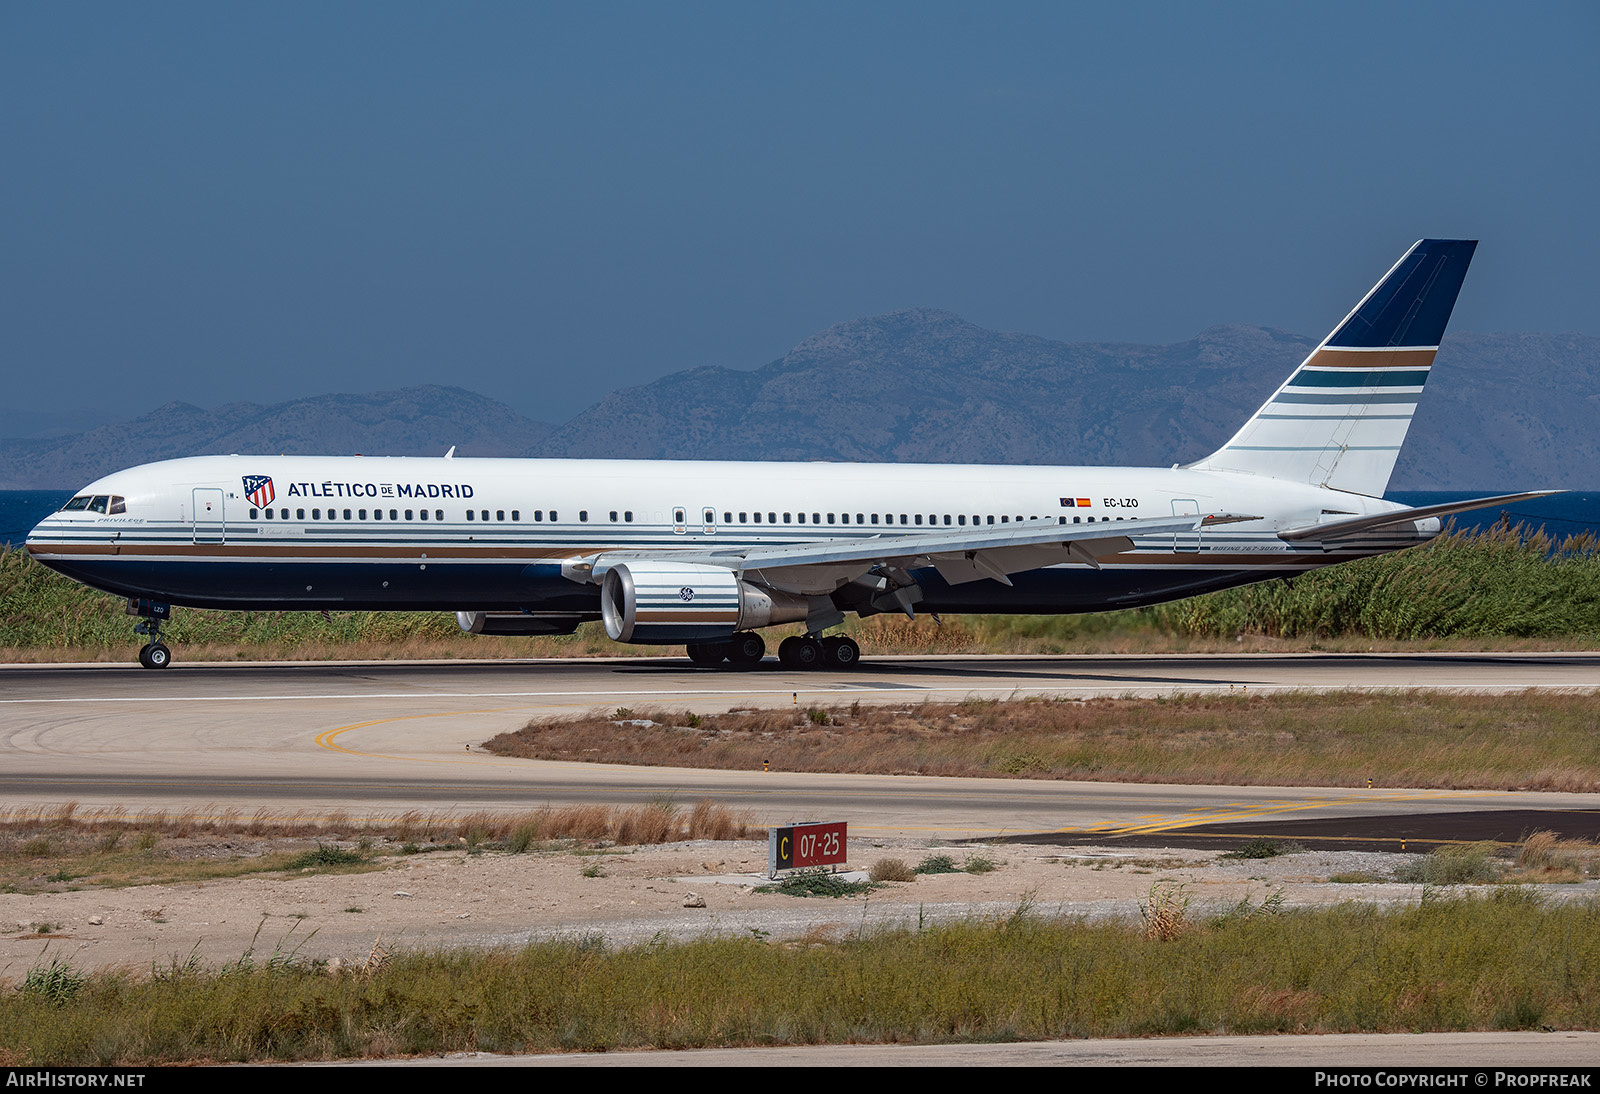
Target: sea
{"x":1560,"y":515}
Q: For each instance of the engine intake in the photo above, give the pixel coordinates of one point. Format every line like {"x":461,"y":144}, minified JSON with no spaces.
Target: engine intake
{"x":664,"y":603}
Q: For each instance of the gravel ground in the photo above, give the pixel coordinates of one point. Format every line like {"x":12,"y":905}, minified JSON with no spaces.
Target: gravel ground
{"x":448,"y":899}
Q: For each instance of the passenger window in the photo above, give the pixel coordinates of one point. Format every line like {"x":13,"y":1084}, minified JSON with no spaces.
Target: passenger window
{"x":627,"y":516}
{"x":772,"y":518}
{"x":438,"y":514}
{"x":516,"y":514}
{"x":786,"y":518}
{"x":410,"y":515}
{"x":394,"y":514}
{"x":583,"y":515}
{"x":903,"y":519}
{"x":830,"y":518}
{"x":469,"y":514}
{"x":742,"y":520}
{"x":801,"y":518}
{"x":758,"y":518}
{"x":347,"y":514}
{"x":300,"y":514}
{"x":554,"y":516}
{"x":499,"y":514}
{"x":874,"y":518}
{"x":252,"y":514}
{"x":424,"y":513}
{"x":991,"y":518}
{"x":727,"y":518}
{"x":919,"y":519}
{"x":363,"y":514}
{"x":961,"y":519}
{"x":538,"y":515}
{"x":860,"y":521}
{"x":613,"y":516}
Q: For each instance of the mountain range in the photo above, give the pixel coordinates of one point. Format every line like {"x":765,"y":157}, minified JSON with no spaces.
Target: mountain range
{"x":1501,"y":410}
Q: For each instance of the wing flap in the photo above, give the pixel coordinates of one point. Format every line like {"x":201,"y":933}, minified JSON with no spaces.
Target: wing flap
{"x":968,"y":553}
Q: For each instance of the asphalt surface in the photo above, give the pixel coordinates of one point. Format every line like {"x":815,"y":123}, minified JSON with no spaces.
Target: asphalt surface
{"x":381,"y":738}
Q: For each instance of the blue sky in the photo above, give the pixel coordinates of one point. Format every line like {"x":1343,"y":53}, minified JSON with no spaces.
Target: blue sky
{"x":544,"y":202}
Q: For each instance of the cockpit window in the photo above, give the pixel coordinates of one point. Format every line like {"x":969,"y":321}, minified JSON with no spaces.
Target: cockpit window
{"x":96,"y":503}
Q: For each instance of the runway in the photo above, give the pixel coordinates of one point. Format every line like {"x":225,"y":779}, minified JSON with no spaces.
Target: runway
{"x":380,"y":738}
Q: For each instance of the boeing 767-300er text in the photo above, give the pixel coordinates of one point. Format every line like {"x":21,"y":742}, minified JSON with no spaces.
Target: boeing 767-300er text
{"x":707,"y":554}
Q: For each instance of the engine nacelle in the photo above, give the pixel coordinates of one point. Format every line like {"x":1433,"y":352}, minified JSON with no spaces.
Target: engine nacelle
{"x":666,"y":603}
{"x":507,"y":623}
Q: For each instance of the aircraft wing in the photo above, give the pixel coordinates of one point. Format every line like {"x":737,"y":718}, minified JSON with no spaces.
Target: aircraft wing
{"x":960,"y":554}
{"x":1335,"y":528}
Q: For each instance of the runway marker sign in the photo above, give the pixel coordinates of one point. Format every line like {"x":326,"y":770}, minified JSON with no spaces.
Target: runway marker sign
{"x":804,"y":845}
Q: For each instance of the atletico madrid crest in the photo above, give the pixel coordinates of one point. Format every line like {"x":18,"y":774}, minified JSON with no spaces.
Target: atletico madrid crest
{"x":259,"y":489}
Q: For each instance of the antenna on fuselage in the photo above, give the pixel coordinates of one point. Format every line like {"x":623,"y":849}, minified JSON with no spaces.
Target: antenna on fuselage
{"x":450,"y":455}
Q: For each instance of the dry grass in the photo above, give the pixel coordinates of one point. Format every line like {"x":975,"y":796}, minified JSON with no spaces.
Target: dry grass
{"x":1533,"y":740}
{"x":1165,"y":912}
{"x":1510,"y":960}
{"x":68,"y":848}
{"x":1545,"y":857}
{"x":891,"y":869}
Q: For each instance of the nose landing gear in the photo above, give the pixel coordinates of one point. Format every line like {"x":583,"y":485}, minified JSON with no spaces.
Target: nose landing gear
{"x":154,"y":654}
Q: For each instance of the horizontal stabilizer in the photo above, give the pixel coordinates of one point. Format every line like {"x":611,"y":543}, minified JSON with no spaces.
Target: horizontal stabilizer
{"x":1336,"y":528}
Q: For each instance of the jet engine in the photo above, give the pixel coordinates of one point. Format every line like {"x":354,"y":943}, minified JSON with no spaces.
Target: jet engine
{"x":665,"y":603}
{"x":504,"y":623}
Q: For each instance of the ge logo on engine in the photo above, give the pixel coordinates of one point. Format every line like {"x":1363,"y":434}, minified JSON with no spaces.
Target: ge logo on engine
{"x":686,"y":593}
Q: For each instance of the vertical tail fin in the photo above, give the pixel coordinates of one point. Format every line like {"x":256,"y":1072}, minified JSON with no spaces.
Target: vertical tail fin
{"x":1340,"y":419}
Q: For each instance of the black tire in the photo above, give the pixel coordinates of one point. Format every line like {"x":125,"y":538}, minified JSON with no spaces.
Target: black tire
{"x":708,"y":653}
{"x":155,"y":656}
{"x":841,"y":652}
{"x":144,"y":657}
{"x":746,"y":648}
{"x":798,"y":652}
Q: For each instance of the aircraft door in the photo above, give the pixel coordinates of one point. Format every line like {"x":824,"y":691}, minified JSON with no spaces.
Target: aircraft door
{"x":680,"y":521}
{"x":709,"y":519}
{"x":1185,"y":541}
{"x":210,"y":518}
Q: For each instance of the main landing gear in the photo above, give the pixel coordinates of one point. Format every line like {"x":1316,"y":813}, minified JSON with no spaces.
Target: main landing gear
{"x":154,"y":654}
{"x":796,"y":652}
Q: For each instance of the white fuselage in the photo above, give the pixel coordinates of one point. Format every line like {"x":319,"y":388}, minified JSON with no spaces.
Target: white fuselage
{"x":403,"y":533}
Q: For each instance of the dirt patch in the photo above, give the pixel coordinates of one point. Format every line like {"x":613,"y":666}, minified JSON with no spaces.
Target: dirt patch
{"x":628,"y":895}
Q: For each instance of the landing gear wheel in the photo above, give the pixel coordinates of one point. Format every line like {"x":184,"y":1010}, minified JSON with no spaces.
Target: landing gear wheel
{"x":746,"y":648}
{"x":797,"y":652}
{"x":708,"y":653}
{"x":841,"y":652}
{"x":155,"y":656}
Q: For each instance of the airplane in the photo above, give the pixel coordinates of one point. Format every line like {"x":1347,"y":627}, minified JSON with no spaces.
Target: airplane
{"x":708,"y":554}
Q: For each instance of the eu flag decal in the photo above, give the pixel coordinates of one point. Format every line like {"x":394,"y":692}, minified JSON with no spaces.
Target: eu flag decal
{"x":259,"y":489}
